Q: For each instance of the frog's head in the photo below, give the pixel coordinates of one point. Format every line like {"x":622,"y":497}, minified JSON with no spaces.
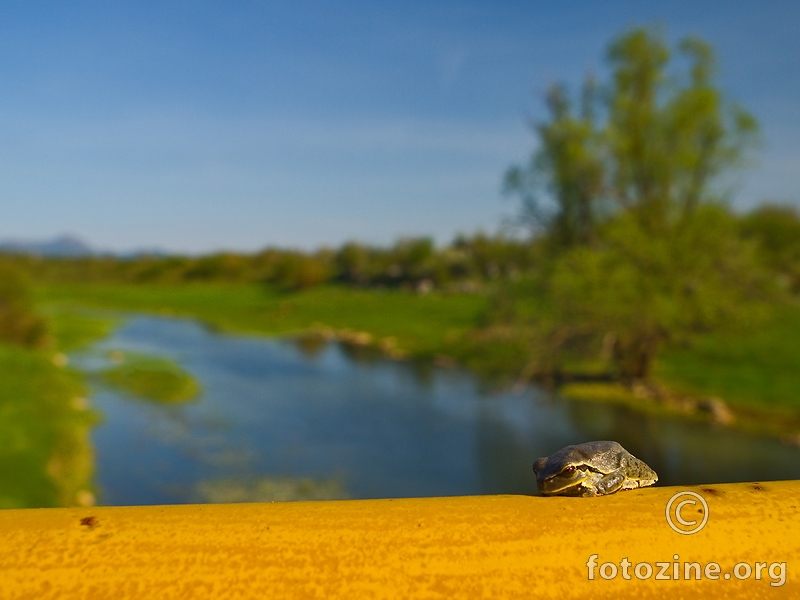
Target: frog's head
{"x":571,"y":469}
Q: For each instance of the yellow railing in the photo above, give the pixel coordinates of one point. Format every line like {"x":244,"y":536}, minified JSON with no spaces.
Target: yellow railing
{"x":462,"y":547}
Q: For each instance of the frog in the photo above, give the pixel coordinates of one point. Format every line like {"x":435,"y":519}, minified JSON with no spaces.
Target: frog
{"x":591,"y":469}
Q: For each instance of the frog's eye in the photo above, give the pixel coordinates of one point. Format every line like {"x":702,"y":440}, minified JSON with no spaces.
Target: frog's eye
{"x":568,"y":470}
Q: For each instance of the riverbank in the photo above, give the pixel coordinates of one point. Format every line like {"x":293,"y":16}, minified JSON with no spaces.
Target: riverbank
{"x":754,"y":375}
{"x":46,"y":458}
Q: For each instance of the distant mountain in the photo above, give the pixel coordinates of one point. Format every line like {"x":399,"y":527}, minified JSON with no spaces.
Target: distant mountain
{"x":65,"y":245}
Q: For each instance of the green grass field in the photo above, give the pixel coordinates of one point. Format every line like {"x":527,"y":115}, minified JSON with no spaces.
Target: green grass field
{"x":45,"y":458}
{"x":757,"y":370}
{"x":422,"y":325}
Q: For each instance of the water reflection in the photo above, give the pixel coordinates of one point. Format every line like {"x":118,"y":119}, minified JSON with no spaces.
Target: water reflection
{"x":276,"y":411}
{"x":265,"y":489}
{"x":310,"y":345}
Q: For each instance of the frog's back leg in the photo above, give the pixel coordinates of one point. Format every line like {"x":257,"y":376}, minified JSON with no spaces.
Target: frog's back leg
{"x":610,"y":483}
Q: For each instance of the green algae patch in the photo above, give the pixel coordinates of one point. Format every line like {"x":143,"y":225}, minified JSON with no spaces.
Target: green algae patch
{"x":150,"y":378}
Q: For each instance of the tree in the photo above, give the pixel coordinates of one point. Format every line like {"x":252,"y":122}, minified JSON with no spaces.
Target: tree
{"x":640,"y":291}
{"x":645,"y":251}
{"x":650,"y":142}
{"x":571,"y":163}
{"x":668,"y":135}
{"x":296,"y":271}
{"x":19,"y":323}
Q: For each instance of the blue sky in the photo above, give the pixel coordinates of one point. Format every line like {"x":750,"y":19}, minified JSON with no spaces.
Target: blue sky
{"x":196,"y":126}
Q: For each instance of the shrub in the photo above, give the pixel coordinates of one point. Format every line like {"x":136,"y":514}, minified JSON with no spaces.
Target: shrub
{"x":19,"y":323}
{"x":299,"y":271}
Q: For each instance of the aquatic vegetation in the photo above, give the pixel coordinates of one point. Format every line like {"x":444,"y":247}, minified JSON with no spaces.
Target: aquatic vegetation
{"x":151,"y":378}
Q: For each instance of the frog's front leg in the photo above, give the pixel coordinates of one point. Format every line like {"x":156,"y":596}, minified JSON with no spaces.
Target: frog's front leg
{"x":610,"y":483}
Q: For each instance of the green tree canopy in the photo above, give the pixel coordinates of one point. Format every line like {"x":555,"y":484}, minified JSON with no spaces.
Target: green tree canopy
{"x":643,"y":249}
{"x":652,"y":142}
{"x":639,"y":291}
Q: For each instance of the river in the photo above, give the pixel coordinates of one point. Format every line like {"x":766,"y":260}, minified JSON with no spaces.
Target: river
{"x":280,"y":421}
